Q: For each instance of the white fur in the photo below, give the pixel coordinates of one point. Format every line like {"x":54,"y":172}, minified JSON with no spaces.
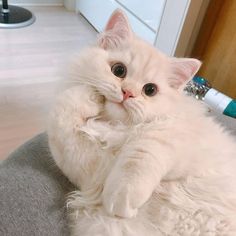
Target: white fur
{"x":148,"y":166}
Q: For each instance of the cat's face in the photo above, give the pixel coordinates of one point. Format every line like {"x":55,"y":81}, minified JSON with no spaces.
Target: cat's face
{"x":138,"y":82}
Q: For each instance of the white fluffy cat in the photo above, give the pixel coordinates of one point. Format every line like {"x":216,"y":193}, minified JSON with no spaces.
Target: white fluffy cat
{"x":146,"y":159}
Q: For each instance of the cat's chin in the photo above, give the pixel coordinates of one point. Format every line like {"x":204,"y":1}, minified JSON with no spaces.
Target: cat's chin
{"x":115,"y":111}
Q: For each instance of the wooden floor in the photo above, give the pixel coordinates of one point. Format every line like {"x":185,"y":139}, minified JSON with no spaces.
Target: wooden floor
{"x":33,"y":61}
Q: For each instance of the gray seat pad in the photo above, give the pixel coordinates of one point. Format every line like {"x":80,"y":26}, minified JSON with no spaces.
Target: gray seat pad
{"x":32,"y":192}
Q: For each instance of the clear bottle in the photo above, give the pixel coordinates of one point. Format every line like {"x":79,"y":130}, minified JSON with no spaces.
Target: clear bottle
{"x":201,"y":89}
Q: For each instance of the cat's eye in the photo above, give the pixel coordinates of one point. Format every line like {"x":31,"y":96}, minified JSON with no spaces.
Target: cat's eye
{"x":150,"y":89}
{"x":119,"y":70}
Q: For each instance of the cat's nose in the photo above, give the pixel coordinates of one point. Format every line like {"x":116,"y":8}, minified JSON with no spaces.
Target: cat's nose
{"x":127,"y":94}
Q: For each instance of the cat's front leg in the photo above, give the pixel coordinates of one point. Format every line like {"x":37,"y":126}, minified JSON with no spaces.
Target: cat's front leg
{"x":71,"y":149}
{"x":138,"y":171}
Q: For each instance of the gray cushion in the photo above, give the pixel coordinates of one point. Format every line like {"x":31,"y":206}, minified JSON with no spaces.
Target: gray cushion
{"x":32,"y":190}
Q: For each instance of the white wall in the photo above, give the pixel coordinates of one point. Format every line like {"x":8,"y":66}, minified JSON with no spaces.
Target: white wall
{"x":36,"y":2}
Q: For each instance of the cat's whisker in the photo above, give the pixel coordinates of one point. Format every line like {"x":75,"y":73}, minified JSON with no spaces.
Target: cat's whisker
{"x":139,"y":107}
{"x":131,"y":115}
{"x":136,"y":110}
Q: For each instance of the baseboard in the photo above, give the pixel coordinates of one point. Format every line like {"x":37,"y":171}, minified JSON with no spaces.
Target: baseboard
{"x":38,"y":4}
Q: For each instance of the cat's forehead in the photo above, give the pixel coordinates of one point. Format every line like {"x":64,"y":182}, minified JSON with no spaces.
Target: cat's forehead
{"x":143,"y":61}
{"x":140,"y":56}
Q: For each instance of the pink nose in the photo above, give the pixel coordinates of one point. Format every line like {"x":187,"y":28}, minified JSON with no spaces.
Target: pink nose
{"x":127,"y":94}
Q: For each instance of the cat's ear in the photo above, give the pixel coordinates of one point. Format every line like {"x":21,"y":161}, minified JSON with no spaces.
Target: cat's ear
{"x":183,"y":70}
{"x":116,"y":31}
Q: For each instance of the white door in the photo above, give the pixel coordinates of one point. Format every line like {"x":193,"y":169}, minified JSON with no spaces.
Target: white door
{"x":159,"y":22}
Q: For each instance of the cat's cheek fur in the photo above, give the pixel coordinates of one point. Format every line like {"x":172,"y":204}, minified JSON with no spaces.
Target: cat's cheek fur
{"x":115,"y":111}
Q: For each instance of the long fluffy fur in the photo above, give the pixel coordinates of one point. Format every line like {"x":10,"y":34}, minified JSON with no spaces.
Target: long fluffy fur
{"x":149,"y":165}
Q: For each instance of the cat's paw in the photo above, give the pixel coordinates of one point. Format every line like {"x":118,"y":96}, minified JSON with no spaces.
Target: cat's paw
{"x":124,"y":194}
{"x":92,"y":106}
{"x":119,"y":200}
